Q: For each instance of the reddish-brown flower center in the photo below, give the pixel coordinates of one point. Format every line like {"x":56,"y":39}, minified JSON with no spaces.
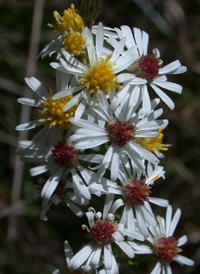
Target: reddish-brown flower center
{"x":166,"y":248}
{"x":102,"y":232}
{"x":136,"y":191}
{"x":120,"y":132}
{"x":147,"y":67}
{"x":64,"y":154}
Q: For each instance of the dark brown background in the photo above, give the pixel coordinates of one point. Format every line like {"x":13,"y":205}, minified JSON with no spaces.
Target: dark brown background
{"x":28,"y":244}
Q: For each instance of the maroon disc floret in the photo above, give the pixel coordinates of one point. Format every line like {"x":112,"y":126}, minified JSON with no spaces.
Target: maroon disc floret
{"x":148,"y":67}
{"x":64,"y":154}
{"x":120,"y":132}
{"x":166,"y":248}
{"x":136,"y":191}
{"x":102,"y":231}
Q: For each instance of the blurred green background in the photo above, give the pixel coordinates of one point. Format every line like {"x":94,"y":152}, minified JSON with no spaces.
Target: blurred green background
{"x":27,"y":244}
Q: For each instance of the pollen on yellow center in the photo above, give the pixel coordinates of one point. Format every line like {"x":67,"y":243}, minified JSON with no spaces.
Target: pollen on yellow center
{"x":70,"y":20}
{"x":153,"y":143}
{"x":100,"y":76}
{"x":53,"y":114}
{"x":74,"y":43}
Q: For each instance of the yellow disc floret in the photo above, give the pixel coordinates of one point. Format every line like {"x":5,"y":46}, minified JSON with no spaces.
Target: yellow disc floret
{"x":74,"y":43}
{"x":53,"y":114}
{"x":70,"y":20}
{"x":153,"y":143}
{"x":100,"y":76}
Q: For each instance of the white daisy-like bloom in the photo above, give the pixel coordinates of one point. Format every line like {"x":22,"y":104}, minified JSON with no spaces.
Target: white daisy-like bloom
{"x":163,"y":245}
{"x":62,"y":160}
{"x":147,"y":67}
{"x":98,"y":68}
{"x":62,"y":194}
{"x":135,"y":194}
{"x":73,"y":39}
{"x":70,"y":27}
{"x":118,"y":129}
{"x":50,"y":114}
{"x":104,"y":230}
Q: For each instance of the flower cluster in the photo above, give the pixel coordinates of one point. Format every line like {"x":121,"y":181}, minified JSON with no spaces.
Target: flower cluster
{"x":101,"y":134}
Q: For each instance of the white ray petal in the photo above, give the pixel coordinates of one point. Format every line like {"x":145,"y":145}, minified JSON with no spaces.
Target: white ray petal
{"x":77,"y":211}
{"x":127,"y":32}
{"x":117,"y":204}
{"x":168,"y":219}
{"x":99,"y":40}
{"x":96,"y":257}
{"x":170,"y":67}
{"x":107,"y":256}
{"x":51,"y":184}
{"x":145,"y":42}
{"x":138,"y":39}
{"x":169,"y":86}
{"x":75,"y":100}
{"x":90,"y":217}
{"x":115,"y":164}
{"x":28,"y":125}
{"x":68,"y":251}
{"x":108,"y":204}
{"x":79,"y":258}
{"x":174,"y":222}
{"x":182,"y":240}
{"x":30,"y":102}
{"x":159,"y":201}
{"x":126,"y":248}
{"x":183,"y":260}
{"x":117,"y":51}
{"x":37,"y":87}
{"x":163,"y":96}
{"x":66,"y":92}
{"x":157,"y":269}
{"x":40,"y":169}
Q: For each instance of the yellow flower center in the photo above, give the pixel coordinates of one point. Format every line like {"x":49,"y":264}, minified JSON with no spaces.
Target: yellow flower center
{"x":53,"y":113}
{"x":100,"y":76}
{"x":70,"y":20}
{"x":153,"y":143}
{"x":74,"y":43}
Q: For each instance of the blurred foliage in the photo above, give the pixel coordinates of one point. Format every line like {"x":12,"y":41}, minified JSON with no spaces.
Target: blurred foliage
{"x":38,"y":243}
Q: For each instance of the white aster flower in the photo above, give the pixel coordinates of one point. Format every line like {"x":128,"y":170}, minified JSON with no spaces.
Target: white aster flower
{"x":70,"y":27}
{"x":98,"y":68}
{"x":61,"y":160}
{"x":118,"y":129}
{"x":104,"y":230}
{"x":163,"y":245}
{"x":62,"y":194}
{"x":49,"y":112}
{"x":147,"y":67}
{"x":135,"y":194}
